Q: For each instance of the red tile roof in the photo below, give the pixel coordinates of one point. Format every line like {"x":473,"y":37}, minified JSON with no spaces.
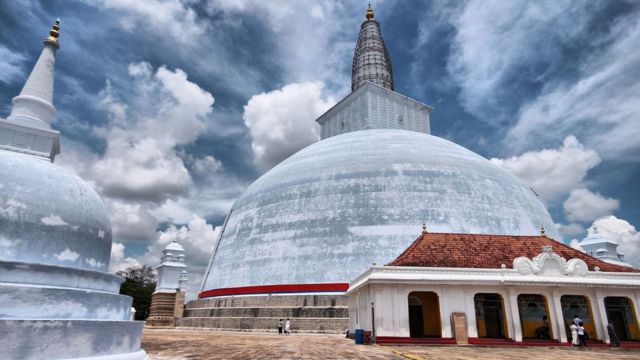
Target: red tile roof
{"x":487,"y":251}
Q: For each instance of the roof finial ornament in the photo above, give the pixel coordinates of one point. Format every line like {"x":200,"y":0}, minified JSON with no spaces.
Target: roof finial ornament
{"x":424,"y":228}
{"x":369,"y":12}
{"x":54,"y":33}
{"x":542,"y":231}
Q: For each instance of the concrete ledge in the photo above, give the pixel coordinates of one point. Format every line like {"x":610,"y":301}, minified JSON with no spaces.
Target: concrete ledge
{"x":35,"y":302}
{"x":70,"y":339}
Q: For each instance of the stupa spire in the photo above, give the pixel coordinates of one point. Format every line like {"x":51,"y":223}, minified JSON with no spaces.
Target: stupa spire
{"x":371,"y":61}
{"x":28,"y":127}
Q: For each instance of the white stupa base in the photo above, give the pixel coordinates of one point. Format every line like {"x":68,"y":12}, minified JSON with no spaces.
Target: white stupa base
{"x":138,"y":355}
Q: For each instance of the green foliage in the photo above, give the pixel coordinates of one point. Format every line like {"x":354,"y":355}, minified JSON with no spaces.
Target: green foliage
{"x":140,"y":283}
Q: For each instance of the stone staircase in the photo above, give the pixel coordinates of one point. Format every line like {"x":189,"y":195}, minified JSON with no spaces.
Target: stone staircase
{"x":307,"y":313}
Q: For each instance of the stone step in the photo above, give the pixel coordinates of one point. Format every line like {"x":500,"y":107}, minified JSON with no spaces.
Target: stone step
{"x":271,"y":312}
{"x":328,"y":325}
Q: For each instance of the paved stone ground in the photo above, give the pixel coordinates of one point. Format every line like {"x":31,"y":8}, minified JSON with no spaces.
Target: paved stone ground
{"x":164,"y":344}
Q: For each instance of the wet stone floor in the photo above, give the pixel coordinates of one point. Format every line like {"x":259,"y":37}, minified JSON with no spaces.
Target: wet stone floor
{"x":164,"y":344}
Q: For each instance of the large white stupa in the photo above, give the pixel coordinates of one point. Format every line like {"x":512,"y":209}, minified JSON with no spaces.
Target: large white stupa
{"x":359,"y":196}
{"x":57,"y":300}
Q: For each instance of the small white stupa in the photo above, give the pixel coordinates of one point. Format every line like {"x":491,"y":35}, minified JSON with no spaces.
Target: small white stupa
{"x":57,"y":298}
{"x":167,"y":302}
{"x":603,"y":248}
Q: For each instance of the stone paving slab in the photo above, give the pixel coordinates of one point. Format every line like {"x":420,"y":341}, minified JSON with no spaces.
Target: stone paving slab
{"x":180,"y":344}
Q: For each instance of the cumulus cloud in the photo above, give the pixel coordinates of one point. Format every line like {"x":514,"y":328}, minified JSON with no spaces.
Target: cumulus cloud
{"x":570,"y":230}
{"x":575,"y":243}
{"x":621,"y":232}
{"x":282,"y":121}
{"x":131,"y":221}
{"x":207,"y":165}
{"x":172,"y":18}
{"x":584,"y":205}
{"x":118,"y":260}
{"x":165,"y":110}
{"x":11,"y":65}
{"x":553,"y":172}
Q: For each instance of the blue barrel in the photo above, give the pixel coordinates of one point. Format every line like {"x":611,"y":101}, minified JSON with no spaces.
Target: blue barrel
{"x":359,"y":336}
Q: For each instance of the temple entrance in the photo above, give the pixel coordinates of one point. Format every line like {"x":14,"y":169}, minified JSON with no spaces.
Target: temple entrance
{"x":534,"y":316}
{"x":578,"y":306}
{"x":424,"y":314}
{"x":621,"y":313}
{"x":490,"y":320}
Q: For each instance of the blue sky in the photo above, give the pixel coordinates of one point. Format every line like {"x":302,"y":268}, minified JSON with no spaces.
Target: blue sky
{"x":171,"y":108}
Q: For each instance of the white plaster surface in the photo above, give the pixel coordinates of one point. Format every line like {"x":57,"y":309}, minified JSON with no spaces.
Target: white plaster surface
{"x":330,"y":210}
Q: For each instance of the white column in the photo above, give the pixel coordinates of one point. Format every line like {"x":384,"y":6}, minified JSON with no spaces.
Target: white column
{"x":603,"y":314}
{"x":636,"y":301}
{"x":557,"y":319}
{"x":470,"y":310}
{"x":508,"y":314}
{"x":515,"y":315}
{"x":597,"y":320}
{"x":445,"y":314}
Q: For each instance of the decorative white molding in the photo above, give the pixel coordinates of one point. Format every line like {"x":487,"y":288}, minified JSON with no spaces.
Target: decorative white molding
{"x":550,"y":263}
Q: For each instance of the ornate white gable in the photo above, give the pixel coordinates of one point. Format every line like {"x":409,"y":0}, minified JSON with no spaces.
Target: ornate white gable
{"x":551,"y":264}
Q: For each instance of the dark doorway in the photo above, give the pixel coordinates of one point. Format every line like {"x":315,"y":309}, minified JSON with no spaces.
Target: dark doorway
{"x":534,"y":317}
{"x":621,"y":314}
{"x":490,"y":316}
{"x":416,"y":328}
{"x":424,"y":314}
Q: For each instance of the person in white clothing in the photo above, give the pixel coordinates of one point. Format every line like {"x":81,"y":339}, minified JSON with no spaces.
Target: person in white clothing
{"x":287,"y":326}
{"x":574,"y":334}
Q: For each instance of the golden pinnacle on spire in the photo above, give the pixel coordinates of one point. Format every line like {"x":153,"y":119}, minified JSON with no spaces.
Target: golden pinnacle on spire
{"x":53,"y":35}
{"x":369,"y":13}
{"x":424,"y":228}
{"x":542,"y":231}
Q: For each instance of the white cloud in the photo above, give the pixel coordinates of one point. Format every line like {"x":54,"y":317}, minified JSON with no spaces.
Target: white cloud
{"x":207,"y":165}
{"x":10,"y":65}
{"x":553,"y":172}
{"x":94,"y":263}
{"x":570,"y":230}
{"x":168,"y":18}
{"x":118,"y":260}
{"x":495,"y":40}
{"x":621,"y":232}
{"x":53,"y":220}
{"x":131,"y":221}
{"x":583,"y":205}
{"x":165,"y":110}
{"x":282,"y":121}
{"x":67,"y":255}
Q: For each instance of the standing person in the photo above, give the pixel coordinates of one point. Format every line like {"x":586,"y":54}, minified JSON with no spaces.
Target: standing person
{"x":280,"y":327}
{"x":613,"y":337}
{"x":574,"y":334}
{"x":287,"y":326}
{"x":581,"y":337}
{"x":576,"y":319}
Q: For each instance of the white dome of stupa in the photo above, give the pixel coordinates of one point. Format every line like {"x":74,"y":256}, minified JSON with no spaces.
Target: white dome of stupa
{"x":55,"y":212}
{"x":329,"y":211}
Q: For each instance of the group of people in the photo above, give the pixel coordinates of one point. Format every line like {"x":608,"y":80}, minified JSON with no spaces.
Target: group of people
{"x":284,"y":327}
{"x":579,"y":336}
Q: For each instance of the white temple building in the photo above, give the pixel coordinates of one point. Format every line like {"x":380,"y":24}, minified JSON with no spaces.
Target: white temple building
{"x":494,"y":290}
{"x":603,"y":248}
{"x":57,"y":298}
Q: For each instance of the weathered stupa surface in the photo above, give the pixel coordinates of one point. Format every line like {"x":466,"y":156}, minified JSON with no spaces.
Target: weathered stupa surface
{"x":57,"y":300}
{"x":359,"y":196}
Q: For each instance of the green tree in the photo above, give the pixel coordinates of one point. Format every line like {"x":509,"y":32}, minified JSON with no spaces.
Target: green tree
{"x":140,"y":283}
